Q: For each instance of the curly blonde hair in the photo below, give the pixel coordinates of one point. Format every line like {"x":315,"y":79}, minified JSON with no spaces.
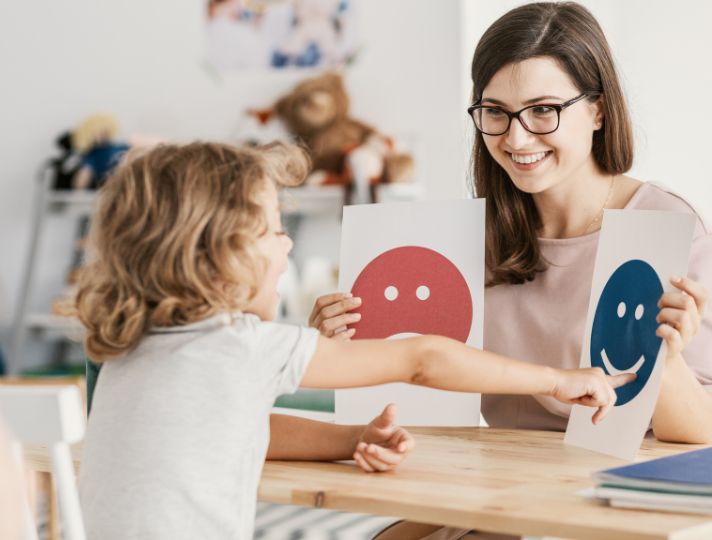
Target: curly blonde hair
{"x":172,"y":239}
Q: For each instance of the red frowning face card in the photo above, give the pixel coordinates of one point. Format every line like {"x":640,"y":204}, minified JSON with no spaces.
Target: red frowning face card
{"x":412,"y":290}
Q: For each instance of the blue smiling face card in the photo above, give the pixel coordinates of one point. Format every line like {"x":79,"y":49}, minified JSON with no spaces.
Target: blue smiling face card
{"x":638,"y":252}
{"x":623,"y":336}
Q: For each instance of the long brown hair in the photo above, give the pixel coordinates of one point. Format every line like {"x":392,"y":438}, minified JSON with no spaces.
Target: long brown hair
{"x":568,"y":33}
{"x":172,"y":240}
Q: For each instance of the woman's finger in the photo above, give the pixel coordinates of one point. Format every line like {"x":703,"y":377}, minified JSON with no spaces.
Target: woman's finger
{"x":345,"y":334}
{"x":683,"y":321}
{"x":678,"y":300}
{"x":329,"y":327}
{"x":696,"y":290}
{"x":324,"y":301}
{"x":672,"y":338}
{"x":340,"y":307}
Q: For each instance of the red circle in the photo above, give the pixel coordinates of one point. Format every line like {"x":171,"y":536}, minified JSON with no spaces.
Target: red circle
{"x":447,"y":310}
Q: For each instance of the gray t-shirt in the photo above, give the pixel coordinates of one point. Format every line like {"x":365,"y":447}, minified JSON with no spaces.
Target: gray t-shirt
{"x":179,"y":429}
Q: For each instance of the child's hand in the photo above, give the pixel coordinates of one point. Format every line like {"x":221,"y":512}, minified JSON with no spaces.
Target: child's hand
{"x":590,"y":387}
{"x":330,"y":315}
{"x":383,"y":445}
{"x":681,"y":314}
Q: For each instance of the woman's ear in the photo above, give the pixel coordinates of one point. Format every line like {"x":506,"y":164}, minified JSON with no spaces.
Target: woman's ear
{"x":598,"y":114}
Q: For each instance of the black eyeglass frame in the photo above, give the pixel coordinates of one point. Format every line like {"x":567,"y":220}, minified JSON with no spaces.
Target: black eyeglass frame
{"x":558,"y":107}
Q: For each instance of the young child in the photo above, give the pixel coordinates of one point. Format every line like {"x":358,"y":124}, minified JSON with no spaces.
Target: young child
{"x":177,"y":302}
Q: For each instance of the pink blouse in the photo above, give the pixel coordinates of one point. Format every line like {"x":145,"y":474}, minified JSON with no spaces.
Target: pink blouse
{"x":543,"y":321}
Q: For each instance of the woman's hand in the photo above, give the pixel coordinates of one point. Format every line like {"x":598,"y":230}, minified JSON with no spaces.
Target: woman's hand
{"x":681,"y":313}
{"x":590,"y":387}
{"x":383,"y":445}
{"x":330,"y":315}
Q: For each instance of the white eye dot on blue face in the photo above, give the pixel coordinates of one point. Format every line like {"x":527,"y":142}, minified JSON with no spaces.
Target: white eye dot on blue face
{"x":639,"y":312}
{"x":422,"y":292}
{"x":621,"y":310}
{"x":391,"y":293}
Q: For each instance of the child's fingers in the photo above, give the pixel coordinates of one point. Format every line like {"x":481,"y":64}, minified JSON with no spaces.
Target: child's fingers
{"x":403,"y":441}
{"x":406,"y":446}
{"x":599,"y":415}
{"x":381,"y":458}
{"x":361,"y":462}
{"x":619,"y":380}
{"x":604,"y":409}
{"x":376,"y":464}
{"x":387,"y":418}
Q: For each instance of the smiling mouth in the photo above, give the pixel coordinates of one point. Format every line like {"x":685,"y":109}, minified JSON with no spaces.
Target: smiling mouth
{"x":526,"y":159}
{"x":613,"y":371}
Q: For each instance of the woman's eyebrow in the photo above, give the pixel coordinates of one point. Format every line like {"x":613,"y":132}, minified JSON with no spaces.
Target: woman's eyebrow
{"x":527,"y":102}
{"x":541,"y":98}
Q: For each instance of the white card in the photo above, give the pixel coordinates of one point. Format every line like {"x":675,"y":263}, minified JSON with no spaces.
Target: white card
{"x":638,"y":252}
{"x":419,"y":269}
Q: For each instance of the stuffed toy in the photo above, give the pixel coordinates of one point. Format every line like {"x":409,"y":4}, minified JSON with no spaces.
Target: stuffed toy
{"x":344,"y":151}
{"x":65,"y":166}
{"x":95,"y":140}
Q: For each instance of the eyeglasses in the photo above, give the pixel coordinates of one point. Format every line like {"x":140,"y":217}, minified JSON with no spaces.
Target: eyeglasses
{"x":540,"y":119}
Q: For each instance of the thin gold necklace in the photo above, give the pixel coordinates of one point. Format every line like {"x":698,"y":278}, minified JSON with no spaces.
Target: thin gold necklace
{"x":599,"y":216}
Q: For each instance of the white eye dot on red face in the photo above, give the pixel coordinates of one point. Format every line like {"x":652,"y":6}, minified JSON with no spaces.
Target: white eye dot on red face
{"x":391,"y":293}
{"x":639,"y":312}
{"x":621,"y":310}
{"x":422,"y":292}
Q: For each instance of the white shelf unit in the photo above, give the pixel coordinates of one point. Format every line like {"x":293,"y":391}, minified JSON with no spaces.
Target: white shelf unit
{"x":47,"y":201}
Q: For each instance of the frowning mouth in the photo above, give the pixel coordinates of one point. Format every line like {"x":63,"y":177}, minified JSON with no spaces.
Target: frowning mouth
{"x":404,"y":335}
{"x":613,"y":371}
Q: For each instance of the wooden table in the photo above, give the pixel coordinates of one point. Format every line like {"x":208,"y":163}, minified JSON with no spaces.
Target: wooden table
{"x":507,"y":481}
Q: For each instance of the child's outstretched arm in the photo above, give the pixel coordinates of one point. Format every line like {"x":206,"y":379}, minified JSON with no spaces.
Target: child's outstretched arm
{"x":379,"y":446}
{"x":444,"y":363}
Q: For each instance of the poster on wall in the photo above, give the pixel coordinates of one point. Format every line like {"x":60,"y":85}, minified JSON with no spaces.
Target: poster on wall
{"x":280,"y":34}
{"x":418,"y":269}
{"x":638,"y":252}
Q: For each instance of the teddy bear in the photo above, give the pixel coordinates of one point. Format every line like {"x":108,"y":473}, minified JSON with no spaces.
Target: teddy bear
{"x":344,"y":151}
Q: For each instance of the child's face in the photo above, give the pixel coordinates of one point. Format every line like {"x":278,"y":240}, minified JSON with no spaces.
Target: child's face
{"x":275,"y":245}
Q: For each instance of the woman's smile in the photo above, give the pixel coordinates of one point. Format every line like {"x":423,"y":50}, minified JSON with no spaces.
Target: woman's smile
{"x":528,"y":161}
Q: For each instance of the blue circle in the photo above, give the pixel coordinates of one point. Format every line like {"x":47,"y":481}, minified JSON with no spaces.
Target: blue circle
{"x":623,"y":334}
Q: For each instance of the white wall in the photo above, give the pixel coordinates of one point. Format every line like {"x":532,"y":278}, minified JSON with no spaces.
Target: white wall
{"x":60,"y":61}
{"x":662,"y":50}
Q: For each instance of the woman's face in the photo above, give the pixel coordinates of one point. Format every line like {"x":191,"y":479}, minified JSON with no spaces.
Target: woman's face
{"x":537,"y":163}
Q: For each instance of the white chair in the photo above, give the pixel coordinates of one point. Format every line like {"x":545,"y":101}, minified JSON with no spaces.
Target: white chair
{"x":52,"y":416}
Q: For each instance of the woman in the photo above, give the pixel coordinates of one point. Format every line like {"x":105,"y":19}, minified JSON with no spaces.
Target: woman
{"x":553,"y":143}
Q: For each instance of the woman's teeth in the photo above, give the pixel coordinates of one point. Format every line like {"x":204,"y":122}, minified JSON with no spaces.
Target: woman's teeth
{"x":528,"y":158}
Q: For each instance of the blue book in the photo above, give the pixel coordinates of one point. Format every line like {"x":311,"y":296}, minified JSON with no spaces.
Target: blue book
{"x":685,"y":473}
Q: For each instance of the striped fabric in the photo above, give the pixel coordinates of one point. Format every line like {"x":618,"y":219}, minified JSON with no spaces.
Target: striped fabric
{"x":284,"y":522}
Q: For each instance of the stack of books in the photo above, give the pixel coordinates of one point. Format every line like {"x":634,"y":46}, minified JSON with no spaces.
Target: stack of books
{"x":679,"y":483}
